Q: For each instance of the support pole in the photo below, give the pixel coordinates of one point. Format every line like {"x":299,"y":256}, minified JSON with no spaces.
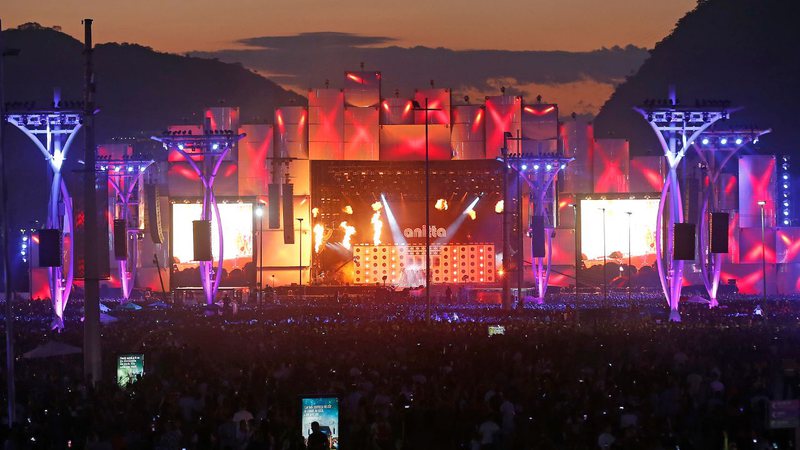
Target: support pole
{"x":92,"y":366}
{"x":427,"y":223}
{"x":506,"y":250}
{"x":10,"y":382}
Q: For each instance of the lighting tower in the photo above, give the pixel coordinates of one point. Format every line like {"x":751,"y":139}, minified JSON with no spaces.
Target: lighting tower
{"x":53,"y":130}
{"x":125,"y":174}
{"x":715,"y":149}
{"x":676,"y":127}
{"x":209,"y":149}
{"x":539,"y":171}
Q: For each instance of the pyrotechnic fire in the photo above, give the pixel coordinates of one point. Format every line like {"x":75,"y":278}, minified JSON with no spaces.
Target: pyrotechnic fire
{"x":314,"y":212}
{"x":377,"y":223}
{"x":348,"y":209}
{"x":499,"y":206}
{"x":472,"y":214}
{"x":441,"y":204}
{"x":318,"y":232}
{"x":348,"y":231}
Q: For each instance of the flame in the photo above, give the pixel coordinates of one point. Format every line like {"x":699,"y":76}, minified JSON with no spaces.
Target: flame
{"x":348,"y":231}
{"x":441,"y":204}
{"x":318,"y":230}
{"x":499,"y":206}
{"x":377,"y":223}
{"x":348,"y":209}
{"x":471,"y":213}
{"x":314,"y":212}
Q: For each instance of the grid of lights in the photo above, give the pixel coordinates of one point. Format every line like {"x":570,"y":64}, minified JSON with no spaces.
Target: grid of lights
{"x":46,"y":121}
{"x":527,"y":162}
{"x":732,"y":141}
{"x":451,"y":263}
{"x":124,"y":166}
{"x":211,"y":142}
{"x":785,"y":188}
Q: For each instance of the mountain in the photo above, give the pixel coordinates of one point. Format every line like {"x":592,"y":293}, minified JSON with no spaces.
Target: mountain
{"x":744,"y":51}
{"x":139,"y":92}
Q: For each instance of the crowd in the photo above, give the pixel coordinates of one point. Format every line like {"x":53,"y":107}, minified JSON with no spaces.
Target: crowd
{"x":592,"y":376}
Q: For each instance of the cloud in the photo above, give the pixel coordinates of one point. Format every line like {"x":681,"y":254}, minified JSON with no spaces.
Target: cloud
{"x":309,"y":59}
{"x":322,"y":39}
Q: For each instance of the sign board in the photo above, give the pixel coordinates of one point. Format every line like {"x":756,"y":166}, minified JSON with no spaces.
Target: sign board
{"x":784,"y":414}
{"x":129,"y":368}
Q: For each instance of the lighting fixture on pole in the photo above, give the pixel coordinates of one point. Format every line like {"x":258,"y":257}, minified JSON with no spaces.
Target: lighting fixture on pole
{"x":418,"y":107}
{"x":605,"y":277}
{"x":630,"y":287}
{"x":260,"y":293}
{"x":761,"y":204}
{"x":300,"y":260}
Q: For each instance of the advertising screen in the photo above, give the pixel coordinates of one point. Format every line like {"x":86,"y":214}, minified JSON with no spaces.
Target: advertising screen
{"x":237,"y":227}
{"x":129,"y":368}
{"x":325,"y":412}
{"x":642,"y":223}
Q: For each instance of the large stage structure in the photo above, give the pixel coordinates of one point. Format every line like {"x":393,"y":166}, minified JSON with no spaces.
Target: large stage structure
{"x":715,"y":150}
{"x":125,"y":173}
{"x":539,"y":172}
{"x":53,"y":130}
{"x":676,"y":128}
{"x":205,"y":153}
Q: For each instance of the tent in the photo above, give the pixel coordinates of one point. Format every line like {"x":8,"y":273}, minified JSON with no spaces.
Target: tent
{"x":130,"y":306}
{"x":50,"y":349}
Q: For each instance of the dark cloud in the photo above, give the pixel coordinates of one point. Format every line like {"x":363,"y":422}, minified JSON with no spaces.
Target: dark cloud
{"x":322,"y":39}
{"x":308,"y":59}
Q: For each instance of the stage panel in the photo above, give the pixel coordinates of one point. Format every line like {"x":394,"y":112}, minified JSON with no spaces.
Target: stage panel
{"x":467,"y":134}
{"x":361,"y":133}
{"x":611,"y":166}
{"x":578,"y":140}
{"x":502,"y":115}
{"x":749,"y":278}
{"x":253,"y":152}
{"x":788,"y":245}
{"x":642,"y":230}
{"x":756,"y":183}
{"x":563,"y":246}
{"x":291,"y":132}
{"x":362,"y":89}
{"x":540,"y":122}
{"x":397,"y":111}
{"x":407,"y":142}
{"x":437,"y":98}
{"x":326,"y":124}
{"x":647,"y":173}
{"x":750,"y":245}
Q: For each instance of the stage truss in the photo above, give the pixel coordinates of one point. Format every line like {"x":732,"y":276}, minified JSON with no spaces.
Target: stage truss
{"x":53,"y":132}
{"x":676,"y":127}
{"x":540,"y":173}
{"x":125,"y":174}
{"x":210,"y":149}
{"x":715,"y":149}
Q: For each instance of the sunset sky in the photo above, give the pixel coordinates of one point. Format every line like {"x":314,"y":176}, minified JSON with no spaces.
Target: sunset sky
{"x":183,"y":25}
{"x":301,"y":43}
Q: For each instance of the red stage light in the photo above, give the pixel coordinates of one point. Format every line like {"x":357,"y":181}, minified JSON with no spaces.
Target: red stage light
{"x":355,"y":78}
{"x":541,"y":112}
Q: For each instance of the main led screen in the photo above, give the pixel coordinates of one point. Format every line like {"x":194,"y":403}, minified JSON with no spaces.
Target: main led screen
{"x":642,"y":222}
{"x":237,"y":226}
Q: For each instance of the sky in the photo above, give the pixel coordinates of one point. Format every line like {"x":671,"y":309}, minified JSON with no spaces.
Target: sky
{"x":265,"y":36}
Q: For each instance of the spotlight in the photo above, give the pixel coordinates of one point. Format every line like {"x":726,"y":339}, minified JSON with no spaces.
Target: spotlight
{"x":215,"y":146}
{"x":548,"y":167}
{"x":705,"y":141}
{"x":524,"y":167}
{"x":786,"y":203}
{"x":785,"y":212}
{"x":738,"y":141}
{"x":130,"y":168}
{"x":723,"y":141}
{"x":786,"y":176}
{"x":786,"y":221}
{"x":535,"y":167}
{"x":563,"y":166}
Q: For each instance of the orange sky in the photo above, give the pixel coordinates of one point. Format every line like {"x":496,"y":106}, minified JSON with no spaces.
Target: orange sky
{"x":185,"y":25}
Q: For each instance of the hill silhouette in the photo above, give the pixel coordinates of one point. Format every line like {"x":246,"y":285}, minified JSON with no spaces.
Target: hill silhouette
{"x":740,"y":50}
{"x":139,"y":92}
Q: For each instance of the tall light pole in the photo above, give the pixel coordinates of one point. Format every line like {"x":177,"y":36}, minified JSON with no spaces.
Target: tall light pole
{"x":577,"y":250}
{"x":761,"y":204}
{"x":10,"y":385}
{"x":300,"y":260}
{"x":605,"y":278}
{"x":630,"y":287}
{"x":417,"y":107}
{"x":260,"y":292}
